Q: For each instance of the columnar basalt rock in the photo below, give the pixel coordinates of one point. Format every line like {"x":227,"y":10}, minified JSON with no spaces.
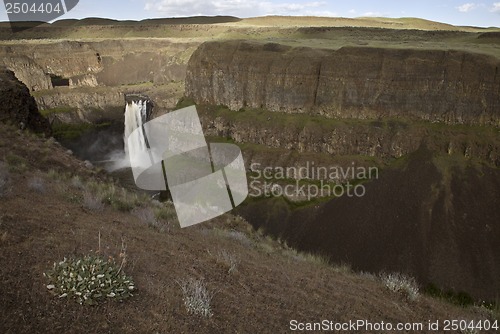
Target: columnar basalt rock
{"x":452,"y":87}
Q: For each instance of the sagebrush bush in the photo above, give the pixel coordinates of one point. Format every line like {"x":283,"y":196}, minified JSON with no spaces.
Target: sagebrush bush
{"x":196,"y":297}
{"x":77,"y":182}
{"x":146,"y":215}
{"x":402,"y":284}
{"x":91,"y":202}
{"x":229,"y":259}
{"x":89,"y":279}
{"x":37,"y":184}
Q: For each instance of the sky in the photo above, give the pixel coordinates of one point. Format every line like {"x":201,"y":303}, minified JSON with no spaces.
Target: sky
{"x":457,"y":12}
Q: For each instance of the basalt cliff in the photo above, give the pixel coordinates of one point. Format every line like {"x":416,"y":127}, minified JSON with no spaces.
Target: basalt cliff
{"x":18,"y":106}
{"x":453,"y":87}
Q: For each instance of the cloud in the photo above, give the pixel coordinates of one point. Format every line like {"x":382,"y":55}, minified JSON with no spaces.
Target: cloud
{"x":467,"y":7}
{"x":496,"y":7}
{"x":373,"y":14}
{"x":243,"y":8}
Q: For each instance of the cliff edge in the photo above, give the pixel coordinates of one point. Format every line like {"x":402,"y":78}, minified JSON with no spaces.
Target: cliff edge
{"x":18,"y":106}
{"x":454,"y":87}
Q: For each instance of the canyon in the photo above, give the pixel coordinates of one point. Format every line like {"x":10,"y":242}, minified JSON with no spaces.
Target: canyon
{"x":421,"y":103}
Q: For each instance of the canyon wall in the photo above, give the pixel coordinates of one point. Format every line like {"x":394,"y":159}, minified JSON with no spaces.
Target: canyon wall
{"x":99,"y":63}
{"x":18,"y":107}
{"x":385,"y":139}
{"x":90,"y":78}
{"x":453,"y":87}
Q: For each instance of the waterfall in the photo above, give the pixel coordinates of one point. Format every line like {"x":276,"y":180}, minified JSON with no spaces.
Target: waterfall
{"x":137,"y":112}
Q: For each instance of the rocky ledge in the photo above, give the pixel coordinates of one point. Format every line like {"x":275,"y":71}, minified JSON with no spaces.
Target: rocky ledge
{"x":18,"y":106}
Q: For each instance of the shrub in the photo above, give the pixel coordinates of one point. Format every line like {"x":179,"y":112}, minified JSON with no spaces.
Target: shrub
{"x":402,"y":284}
{"x":16,"y":163}
{"x":118,"y":198}
{"x":230,"y":234}
{"x":459,"y":298}
{"x":89,"y":279}
{"x":77,"y":183}
{"x":146,"y":216}
{"x":240,"y":237}
{"x":92,"y":202}
{"x":166,"y":211}
{"x":228,"y":259}
{"x":37,"y":184}
{"x":196,"y":297}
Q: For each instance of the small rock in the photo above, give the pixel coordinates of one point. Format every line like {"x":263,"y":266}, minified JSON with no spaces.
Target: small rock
{"x":88,"y":164}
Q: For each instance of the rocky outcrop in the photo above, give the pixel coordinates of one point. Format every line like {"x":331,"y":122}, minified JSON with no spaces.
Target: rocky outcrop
{"x":101,"y":63}
{"x":385,"y":139}
{"x":98,"y":74}
{"x":353,"y":82}
{"x":18,"y":106}
{"x":101,"y":104}
{"x":28,"y":72}
{"x":82,"y":106}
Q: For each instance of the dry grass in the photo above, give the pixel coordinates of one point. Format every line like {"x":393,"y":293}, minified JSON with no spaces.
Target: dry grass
{"x":402,"y":284}
{"x":4,"y":236}
{"x":197,"y":299}
{"x":228,"y":259}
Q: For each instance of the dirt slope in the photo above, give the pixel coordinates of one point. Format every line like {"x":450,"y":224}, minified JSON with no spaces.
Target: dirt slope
{"x":43,"y":219}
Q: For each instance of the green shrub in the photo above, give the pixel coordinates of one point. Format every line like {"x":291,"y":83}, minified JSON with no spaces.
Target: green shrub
{"x":458,"y":298}
{"x":116,"y":197}
{"x":58,"y":110}
{"x":166,"y":212}
{"x":89,"y":280}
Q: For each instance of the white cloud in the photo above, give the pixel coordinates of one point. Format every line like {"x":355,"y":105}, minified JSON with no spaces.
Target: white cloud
{"x":496,"y":7}
{"x":467,"y":7}
{"x":242,"y":8}
{"x":373,"y":14}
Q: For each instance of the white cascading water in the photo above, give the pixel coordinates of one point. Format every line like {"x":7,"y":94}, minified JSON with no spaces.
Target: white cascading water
{"x":136,"y":114}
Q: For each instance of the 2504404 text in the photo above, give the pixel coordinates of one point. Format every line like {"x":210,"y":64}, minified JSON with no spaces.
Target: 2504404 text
{"x":33,"y":8}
